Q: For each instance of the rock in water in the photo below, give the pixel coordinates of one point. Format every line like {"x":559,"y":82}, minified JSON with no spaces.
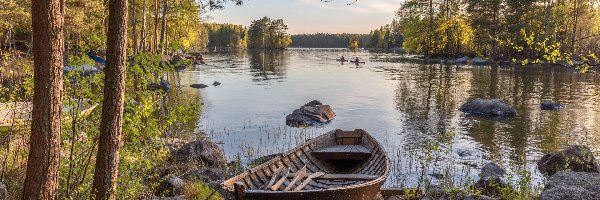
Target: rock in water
{"x":490,"y":181}
{"x":489,"y":107}
{"x":202,"y":152}
{"x":462,"y":60}
{"x":551,"y":106}
{"x":577,"y":158}
{"x":572,"y":185}
{"x":311,"y":114}
{"x":479,"y":61}
{"x":198,"y":86}
{"x":216,"y":83}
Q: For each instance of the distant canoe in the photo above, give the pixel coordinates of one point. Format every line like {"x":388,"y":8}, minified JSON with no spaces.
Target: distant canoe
{"x":357,"y":62}
{"x":341,"y":60}
{"x":339,"y":165}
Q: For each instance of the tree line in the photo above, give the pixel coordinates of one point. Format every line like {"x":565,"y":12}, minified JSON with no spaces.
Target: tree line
{"x":327,"y":40}
{"x":548,"y":30}
{"x":227,"y":35}
{"x":388,"y":36}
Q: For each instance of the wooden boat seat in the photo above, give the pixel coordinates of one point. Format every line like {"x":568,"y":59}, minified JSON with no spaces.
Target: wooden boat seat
{"x":343,"y":152}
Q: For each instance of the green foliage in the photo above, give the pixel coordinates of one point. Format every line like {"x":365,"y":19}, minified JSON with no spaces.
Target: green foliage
{"x":387,"y":37}
{"x":265,"y":33}
{"x":227,"y":35}
{"x":200,"y":191}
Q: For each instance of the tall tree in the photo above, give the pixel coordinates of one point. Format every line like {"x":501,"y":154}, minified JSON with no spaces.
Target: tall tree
{"x":41,"y":181}
{"x":107,"y":158}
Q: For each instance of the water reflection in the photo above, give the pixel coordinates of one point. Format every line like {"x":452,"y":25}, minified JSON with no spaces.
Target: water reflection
{"x":268,"y":65}
{"x":412,"y":109}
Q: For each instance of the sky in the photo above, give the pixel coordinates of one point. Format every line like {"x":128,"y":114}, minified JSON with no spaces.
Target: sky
{"x":312,"y":16}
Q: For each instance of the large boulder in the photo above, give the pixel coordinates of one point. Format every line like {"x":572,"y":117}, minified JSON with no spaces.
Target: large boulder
{"x":203,"y":152}
{"x":311,"y":114}
{"x":572,"y":185}
{"x":488,"y":107}
{"x":206,"y":175}
{"x":577,"y":158}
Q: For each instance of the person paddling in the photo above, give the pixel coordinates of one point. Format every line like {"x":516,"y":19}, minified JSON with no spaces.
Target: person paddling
{"x":356,"y":59}
{"x":342,"y":59}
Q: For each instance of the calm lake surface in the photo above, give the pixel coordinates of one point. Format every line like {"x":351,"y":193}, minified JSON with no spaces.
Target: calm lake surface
{"x":412,"y":109}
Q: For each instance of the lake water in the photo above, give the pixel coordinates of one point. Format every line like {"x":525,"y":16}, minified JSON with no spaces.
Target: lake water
{"x":412,"y":109}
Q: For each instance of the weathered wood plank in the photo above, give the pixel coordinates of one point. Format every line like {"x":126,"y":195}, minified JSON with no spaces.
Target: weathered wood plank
{"x":342,"y":177}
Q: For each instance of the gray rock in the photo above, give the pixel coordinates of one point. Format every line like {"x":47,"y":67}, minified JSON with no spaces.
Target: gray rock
{"x":572,"y":185}
{"x":311,"y":114}
{"x":488,"y":107}
{"x":491,"y":170}
{"x":3,"y":192}
{"x":85,"y":70}
{"x":203,"y":152}
{"x":206,"y":175}
{"x":462,"y":60}
{"x":171,"y":187}
{"x":216,"y":83}
{"x":490,"y":181}
{"x":551,"y":106}
{"x":477,"y":197}
{"x":577,"y":158}
{"x":198,"y":86}
{"x":479,"y":61}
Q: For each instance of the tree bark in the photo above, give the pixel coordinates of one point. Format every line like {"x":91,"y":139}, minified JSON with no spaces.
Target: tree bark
{"x":134,"y":27}
{"x":41,"y":179}
{"x":163,"y":27}
{"x":107,"y":159}
{"x":143,"y":31}
{"x":155,"y":39}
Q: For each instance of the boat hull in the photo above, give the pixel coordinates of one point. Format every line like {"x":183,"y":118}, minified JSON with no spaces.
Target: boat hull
{"x":339,"y":155}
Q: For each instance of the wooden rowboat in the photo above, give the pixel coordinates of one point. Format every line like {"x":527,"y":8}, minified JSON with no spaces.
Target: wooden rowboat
{"x":348,"y":165}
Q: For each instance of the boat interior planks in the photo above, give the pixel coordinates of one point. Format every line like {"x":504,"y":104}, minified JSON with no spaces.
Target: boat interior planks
{"x":348,"y":165}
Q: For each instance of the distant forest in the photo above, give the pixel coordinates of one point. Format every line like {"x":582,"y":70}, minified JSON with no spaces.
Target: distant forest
{"x":326,"y":40}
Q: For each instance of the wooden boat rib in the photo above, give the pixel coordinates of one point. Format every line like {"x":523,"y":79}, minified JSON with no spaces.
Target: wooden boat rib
{"x":344,"y":165}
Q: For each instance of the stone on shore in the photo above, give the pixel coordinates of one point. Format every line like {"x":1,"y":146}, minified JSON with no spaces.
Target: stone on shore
{"x":577,"y":158}
{"x":488,"y":107}
{"x":202,"y":152}
{"x":551,"y":106}
{"x":572,"y":185}
{"x":313,"y":113}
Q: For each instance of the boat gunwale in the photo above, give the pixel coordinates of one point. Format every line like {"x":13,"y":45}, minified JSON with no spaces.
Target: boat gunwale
{"x":228,"y":184}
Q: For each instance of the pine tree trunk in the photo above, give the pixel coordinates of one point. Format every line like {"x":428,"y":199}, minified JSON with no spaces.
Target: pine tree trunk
{"x":143,"y":31}
{"x":41,"y":180}
{"x":155,"y":39}
{"x":107,"y":158}
{"x":134,"y":27}
{"x":163,"y":27}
